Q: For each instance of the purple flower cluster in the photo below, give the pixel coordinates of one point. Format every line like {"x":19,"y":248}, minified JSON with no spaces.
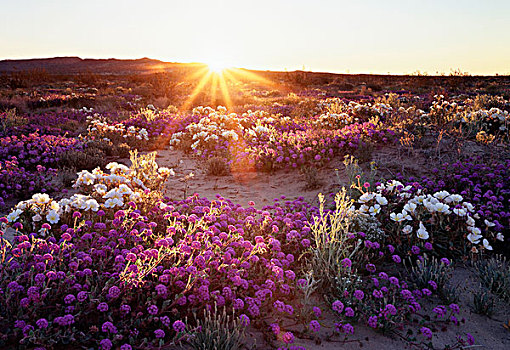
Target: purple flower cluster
{"x":48,"y":123}
{"x":26,"y":161}
{"x":484,"y":184}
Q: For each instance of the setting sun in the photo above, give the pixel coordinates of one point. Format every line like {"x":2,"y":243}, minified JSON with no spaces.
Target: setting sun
{"x":217,"y":78}
{"x":217,"y":66}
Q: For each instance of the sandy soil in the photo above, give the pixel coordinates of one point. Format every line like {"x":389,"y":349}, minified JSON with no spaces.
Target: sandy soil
{"x":242,"y":188}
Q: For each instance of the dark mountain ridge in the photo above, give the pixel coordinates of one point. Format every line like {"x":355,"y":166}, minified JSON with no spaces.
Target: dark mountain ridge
{"x":69,"y":65}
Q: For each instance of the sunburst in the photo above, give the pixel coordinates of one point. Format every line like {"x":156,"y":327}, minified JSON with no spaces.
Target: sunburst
{"x":217,"y":67}
{"x":219,"y":78}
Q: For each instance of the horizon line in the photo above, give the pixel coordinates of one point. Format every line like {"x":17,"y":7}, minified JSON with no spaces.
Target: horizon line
{"x":416,"y":72}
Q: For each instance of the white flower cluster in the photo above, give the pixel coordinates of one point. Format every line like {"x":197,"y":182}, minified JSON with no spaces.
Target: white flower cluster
{"x":493,"y":115}
{"x":353,"y":108}
{"x":52,"y":210}
{"x":212,"y":127}
{"x":261,"y":132}
{"x":381,"y":109}
{"x":259,"y":125}
{"x":443,"y":110}
{"x":105,"y":191}
{"x":419,"y":208}
{"x":99,"y":127}
{"x":335,"y":120}
{"x":441,"y":104}
{"x":86,"y":110}
{"x":42,"y":208}
{"x":215,"y":126}
{"x":122,"y":175}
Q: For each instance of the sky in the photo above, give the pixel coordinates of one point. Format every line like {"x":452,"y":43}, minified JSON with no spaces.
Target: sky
{"x":364,"y":36}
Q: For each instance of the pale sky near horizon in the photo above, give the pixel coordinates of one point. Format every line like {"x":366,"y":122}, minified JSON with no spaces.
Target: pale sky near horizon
{"x":368,"y":36}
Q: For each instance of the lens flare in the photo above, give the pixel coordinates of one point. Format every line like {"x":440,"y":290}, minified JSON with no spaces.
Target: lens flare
{"x":217,"y":67}
{"x":217,"y":78}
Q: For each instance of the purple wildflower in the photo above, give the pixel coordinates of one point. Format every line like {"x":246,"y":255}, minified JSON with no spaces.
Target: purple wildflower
{"x":315,"y":326}
{"x":159,"y":333}
{"x":426,"y":332}
{"x":179,"y":326}
{"x":338,"y":306}
{"x":288,"y":338}
{"x":103,"y":307}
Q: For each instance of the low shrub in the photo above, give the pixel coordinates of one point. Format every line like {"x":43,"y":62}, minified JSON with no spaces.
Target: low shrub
{"x":483,"y":302}
{"x":217,"y":166}
{"x":217,"y":330}
{"x":494,"y":273}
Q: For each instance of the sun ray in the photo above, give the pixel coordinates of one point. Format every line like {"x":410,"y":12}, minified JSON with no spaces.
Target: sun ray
{"x":196,"y":73}
{"x":217,"y":80}
{"x":200,"y":86}
{"x":227,"y":73}
{"x":214,"y":88}
{"x":243,"y":73}
{"x":224,"y":91}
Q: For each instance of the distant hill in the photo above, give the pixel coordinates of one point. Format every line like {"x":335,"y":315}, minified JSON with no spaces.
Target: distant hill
{"x":76,"y":65}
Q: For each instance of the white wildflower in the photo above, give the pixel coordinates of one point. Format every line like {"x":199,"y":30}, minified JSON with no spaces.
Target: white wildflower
{"x":422,"y":232}
{"x":474,"y":238}
{"x":407,"y":229}
{"x":52,"y":217}
{"x":374,"y":210}
{"x":486,"y":244}
{"x":14,"y":215}
{"x":381,"y":200}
